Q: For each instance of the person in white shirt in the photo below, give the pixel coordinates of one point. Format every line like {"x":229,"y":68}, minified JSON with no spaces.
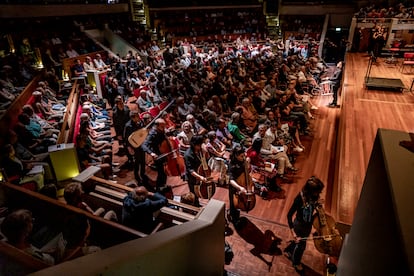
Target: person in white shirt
{"x":88,"y":64}
{"x":273,"y":152}
{"x":154,"y":46}
{"x":144,"y":103}
{"x":71,"y":52}
{"x":99,"y":63}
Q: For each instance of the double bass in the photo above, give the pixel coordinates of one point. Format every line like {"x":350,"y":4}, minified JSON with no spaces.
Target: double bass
{"x":208,"y":188}
{"x":245,"y":202}
{"x":327,"y":238}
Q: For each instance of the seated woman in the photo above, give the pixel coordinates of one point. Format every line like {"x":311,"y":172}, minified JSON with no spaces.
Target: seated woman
{"x":17,"y":228}
{"x":215,"y":147}
{"x":258,"y":165}
{"x":19,"y":172}
{"x":39,"y":132}
{"x":94,"y":131}
{"x":218,"y":162}
{"x":223,"y":134}
{"x":73,"y":196}
{"x":184,"y":137}
{"x":87,"y":158}
{"x":43,"y":109}
{"x":101,"y":147}
{"x":28,"y":109}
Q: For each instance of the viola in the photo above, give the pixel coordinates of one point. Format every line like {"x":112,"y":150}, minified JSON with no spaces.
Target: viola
{"x":327,"y":238}
{"x":208,"y":188}
{"x":245,"y":202}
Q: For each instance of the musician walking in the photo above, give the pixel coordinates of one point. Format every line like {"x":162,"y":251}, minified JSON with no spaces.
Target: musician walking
{"x":136,"y":156}
{"x":237,"y":168}
{"x":303,"y":207}
{"x":152,"y":145}
{"x":193,"y":160}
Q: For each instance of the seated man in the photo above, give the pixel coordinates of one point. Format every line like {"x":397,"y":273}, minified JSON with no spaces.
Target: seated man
{"x":139,"y":206}
{"x":272,"y":152}
{"x":17,"y":227}
{"x":78,"y":70}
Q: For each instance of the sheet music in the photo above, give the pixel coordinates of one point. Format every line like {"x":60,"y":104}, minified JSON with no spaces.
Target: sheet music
{"x":36,"y":170}
{"x":269,"y":167}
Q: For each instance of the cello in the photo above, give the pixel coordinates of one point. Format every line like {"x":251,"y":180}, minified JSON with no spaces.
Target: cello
{"x":245,"y":202}
{"x":327,"y":238}
{"x":208,"y":188}
{"x":174,"y":164}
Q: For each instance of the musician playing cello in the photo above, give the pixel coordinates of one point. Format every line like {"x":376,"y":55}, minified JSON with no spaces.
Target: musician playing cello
{"x":303,"y":207}
{"x":193,"y":160}
{"x":152,"y":146}
{"x":237,"y":168}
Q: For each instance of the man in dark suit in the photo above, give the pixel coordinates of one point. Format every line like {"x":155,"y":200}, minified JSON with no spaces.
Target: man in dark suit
{"x":336,"y":84}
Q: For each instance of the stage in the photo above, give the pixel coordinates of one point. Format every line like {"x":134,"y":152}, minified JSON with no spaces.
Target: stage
{"x":384,"y":84}
{"x":379,"y":83}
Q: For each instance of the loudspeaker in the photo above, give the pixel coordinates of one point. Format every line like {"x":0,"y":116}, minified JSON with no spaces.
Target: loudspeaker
{"x":64,"y":161}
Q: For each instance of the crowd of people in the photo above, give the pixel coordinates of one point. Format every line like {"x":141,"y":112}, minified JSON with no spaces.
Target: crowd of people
{"x":399,"y":10}
{"x":237,"y":103}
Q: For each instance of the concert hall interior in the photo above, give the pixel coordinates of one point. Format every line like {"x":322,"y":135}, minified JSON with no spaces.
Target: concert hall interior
{"x":249,"y":137}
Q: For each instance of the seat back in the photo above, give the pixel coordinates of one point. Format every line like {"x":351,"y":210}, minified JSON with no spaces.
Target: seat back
{"x":154,"y":111}
{"x":163,"y":105}
{"x":408,"y":56}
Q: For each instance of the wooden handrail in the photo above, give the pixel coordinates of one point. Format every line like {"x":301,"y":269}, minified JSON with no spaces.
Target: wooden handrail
{"x":60,"y":204}
{"x":129,"y":189}
{"x":66,"y":131}
{"x":26,"y":260}
{"x":9,"y":118}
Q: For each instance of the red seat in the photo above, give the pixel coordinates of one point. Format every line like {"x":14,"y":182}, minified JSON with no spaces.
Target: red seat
{"x":154,"y":111}
{"x":137,"y":91}
{"x":408,"y":60}
{"x":163,"y":105}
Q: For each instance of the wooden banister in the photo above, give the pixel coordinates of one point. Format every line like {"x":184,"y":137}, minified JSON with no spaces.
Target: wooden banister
{"x":126,"y":188}
{"x":29,"y":262}
{"x":66,"y":131}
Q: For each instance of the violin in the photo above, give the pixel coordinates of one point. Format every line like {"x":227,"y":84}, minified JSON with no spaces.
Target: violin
{"x":245,"y":202}
{"x":327,"y":238}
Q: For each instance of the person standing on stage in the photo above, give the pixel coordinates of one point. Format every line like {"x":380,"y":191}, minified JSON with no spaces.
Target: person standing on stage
{"x":336,"y":84}
{"x":303,"y":207}
{"x":378,"y":41}
{"x":152,"y":145}
{"x":136,"y":156}
{"x":237,"y":168}
{"x":193,"y":160}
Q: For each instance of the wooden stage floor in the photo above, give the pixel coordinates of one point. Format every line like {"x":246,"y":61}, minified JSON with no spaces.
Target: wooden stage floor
{"x":337,"y":152}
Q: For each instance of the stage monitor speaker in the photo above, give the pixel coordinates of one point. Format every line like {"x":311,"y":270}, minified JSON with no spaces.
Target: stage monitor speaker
{"x":272,"y":6}
{"x":64,"y":161}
